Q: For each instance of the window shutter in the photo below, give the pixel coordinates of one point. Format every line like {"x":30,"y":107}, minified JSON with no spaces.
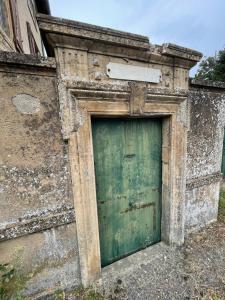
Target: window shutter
{"x":33,"y":46}
{"x":16,"y":25}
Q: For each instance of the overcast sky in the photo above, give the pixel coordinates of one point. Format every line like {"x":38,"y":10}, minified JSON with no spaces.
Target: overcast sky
{"x":197,"y":24}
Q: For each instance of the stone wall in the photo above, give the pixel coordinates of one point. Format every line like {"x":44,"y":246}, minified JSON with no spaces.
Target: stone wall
{"x":204,"y":148}
{"x":35,"y":190}
{"x":37,"y":228}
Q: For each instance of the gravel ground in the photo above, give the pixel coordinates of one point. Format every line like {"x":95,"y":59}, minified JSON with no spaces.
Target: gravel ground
{"x":194,"y":271}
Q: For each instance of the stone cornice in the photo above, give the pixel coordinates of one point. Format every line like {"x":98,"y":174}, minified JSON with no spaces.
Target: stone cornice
{"x":181,"y":52}
{"x":87,"y":31}
{"x":72,"y":34}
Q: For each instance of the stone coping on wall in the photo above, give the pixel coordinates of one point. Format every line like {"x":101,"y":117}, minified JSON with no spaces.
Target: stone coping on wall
{"x":207,"y":83}
{"x":203,"y":180}
{"x":27,"y":59}
{"x":39,"y":222}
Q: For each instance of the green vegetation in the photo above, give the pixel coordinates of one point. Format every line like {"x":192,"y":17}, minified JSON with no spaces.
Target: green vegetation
{"x":212,"y":68}
{"x":11,"y":283}
{"x":81,"y":294}
{"x":221,"y":213}
{"x":87,"y":294}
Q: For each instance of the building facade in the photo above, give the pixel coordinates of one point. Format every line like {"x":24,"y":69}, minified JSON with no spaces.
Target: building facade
{"x":19,"y":29}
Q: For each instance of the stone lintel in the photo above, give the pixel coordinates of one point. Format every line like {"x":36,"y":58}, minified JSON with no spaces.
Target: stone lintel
{"x":120,"y":88}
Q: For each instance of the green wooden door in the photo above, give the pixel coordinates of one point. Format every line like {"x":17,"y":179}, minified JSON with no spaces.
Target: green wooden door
{"x":127,"y":157}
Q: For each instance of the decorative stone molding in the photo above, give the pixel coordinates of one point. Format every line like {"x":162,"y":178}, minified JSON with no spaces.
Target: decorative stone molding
{"x":136,"y":94}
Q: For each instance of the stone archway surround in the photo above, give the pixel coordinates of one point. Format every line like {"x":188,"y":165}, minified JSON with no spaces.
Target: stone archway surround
{"x":109,"y":102}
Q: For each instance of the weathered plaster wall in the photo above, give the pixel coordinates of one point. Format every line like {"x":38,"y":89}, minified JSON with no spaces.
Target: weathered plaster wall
{"x":204,"y":152}
{"x":35,"y":191}
{"x":48,"y":259}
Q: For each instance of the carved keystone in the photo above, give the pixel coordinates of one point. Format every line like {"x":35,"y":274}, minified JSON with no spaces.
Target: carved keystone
{"x":137,"y":97}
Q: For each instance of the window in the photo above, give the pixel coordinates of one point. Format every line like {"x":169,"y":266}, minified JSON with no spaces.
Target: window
{"x":32,"y":9}
{"x":4,"y":18}
{"x":33,"y":46}
{"x":16,"y":25}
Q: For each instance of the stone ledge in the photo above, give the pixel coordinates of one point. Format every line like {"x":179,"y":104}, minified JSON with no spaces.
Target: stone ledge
{"x":207,"y":83}
{"x":203,"y":180}
{"x":39,"y":223}
{"x":181,"y":52}
{"x":27,"y":59}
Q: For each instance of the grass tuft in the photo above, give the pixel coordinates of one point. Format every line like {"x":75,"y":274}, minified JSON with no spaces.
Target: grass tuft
{"x":221,"y":213}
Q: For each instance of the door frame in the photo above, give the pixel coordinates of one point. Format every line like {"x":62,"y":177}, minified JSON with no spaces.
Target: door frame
{"x":111,"y":101}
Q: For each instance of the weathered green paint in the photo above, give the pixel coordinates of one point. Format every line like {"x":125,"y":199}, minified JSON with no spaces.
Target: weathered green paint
{"x":223,"y":157}
{"x":127,"y":157}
